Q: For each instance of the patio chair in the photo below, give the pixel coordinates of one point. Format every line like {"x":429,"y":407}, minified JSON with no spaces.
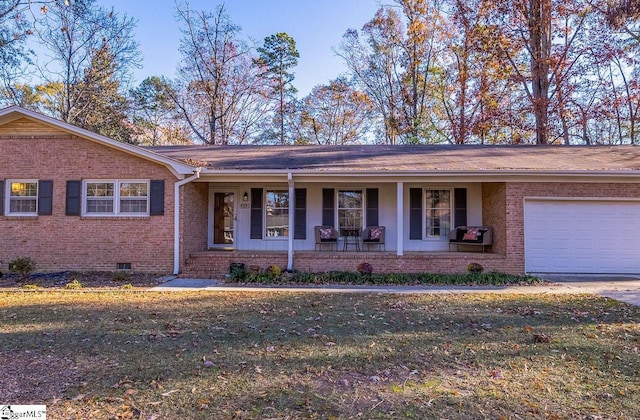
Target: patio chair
{"x":373,"y":236}
{"x":326,"y":235}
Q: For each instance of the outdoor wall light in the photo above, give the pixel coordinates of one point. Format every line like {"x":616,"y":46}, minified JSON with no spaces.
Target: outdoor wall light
{"x":245,"y":197}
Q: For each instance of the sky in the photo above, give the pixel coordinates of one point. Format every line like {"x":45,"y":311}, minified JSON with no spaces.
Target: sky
{"x":317,"y":26}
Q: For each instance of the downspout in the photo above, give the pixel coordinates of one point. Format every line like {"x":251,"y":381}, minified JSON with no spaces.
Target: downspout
{"x":292,"y":207}
{"x":176,"y":219}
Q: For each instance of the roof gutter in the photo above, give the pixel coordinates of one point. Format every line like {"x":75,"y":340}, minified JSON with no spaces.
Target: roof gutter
{"x":427,"y":172}
{"x":176,"y":219}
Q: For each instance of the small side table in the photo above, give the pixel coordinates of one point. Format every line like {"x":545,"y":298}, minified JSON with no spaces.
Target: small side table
{"x":351,"y":236}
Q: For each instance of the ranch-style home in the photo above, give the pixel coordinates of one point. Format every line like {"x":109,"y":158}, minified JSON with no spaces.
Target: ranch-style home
{"x":74,"y":200}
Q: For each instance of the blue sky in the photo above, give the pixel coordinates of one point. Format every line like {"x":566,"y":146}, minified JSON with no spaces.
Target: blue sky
{"x":317,"y":27}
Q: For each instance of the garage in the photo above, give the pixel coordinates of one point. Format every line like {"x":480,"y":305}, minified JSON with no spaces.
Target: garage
{"x":582,"y":236}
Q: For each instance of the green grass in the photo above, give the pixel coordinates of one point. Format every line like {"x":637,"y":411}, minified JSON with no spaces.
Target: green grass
{"x":130,"y":354}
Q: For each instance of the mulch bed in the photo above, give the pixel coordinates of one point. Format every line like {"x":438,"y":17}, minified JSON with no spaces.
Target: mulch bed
{"x":91,"y":279}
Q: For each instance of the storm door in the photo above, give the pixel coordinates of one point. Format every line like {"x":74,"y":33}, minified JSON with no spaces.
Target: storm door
{"x":223,"y":219}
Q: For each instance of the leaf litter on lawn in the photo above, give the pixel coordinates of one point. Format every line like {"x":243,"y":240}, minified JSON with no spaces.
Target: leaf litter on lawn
{"x":299,"y":355}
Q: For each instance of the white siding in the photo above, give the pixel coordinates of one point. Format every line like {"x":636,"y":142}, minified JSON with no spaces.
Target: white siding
{"x":387,"y":214}
{"x":474,"y":215}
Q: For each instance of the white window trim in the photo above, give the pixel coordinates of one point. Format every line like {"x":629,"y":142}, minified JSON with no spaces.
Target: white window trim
{"x":425,"y":236}
{"x":363,"y":207}
{"x":116,"y":197}
{"x":264,"y":214}
{"x":7,"y":195}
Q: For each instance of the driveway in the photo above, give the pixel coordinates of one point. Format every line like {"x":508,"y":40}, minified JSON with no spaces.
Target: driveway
{"x":624,"y":289}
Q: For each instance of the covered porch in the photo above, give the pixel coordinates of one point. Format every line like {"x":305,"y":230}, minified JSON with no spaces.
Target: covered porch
{"x":240,"y":220}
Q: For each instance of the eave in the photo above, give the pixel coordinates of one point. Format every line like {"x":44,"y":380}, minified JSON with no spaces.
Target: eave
{"x":179,"y":169}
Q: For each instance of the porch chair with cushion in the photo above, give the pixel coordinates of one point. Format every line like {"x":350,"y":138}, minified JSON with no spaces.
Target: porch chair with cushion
{"x":326,"y":235}
{"x":373,"y":236}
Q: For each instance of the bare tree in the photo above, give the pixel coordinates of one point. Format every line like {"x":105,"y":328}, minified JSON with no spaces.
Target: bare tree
{"x":73,"y":34}
{"x":14,"y":29}
{"x":217,"y":91}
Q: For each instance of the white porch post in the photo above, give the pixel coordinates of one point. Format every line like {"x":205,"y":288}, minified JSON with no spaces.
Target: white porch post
{"x":292,"y":200}
{"x":176,"y":219}
{"x":400,"y":218}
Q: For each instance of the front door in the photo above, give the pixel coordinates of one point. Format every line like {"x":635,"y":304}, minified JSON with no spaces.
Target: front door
{"x":223,"y":219}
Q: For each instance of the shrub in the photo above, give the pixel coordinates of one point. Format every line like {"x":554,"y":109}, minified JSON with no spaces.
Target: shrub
{"x":31,"y":287}
{"x":121,"y":276}
{"x":365,"y":268}
{"x":126,"y":286}
{"x":274,"y":270}
{"x":475,"y":268}
{"x":237,"y":272}
{"x":74,"y":285}
{"x":24,"y":266}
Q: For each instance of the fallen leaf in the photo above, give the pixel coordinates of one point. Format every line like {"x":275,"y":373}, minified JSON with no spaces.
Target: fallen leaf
{"x":166,"y":394}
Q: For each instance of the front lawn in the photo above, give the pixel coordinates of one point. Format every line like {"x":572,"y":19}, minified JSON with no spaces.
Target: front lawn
{"x":132,"y":354}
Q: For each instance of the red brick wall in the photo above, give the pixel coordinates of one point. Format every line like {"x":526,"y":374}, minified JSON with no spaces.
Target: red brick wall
{"x":216,"y":264}
{"x":60,"y":242}
{"x":194,"y":218}
{"x":494,"y":213}
{"x":516,"y":192}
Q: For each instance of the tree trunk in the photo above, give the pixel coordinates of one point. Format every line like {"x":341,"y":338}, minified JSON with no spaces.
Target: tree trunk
{"x":540,"y":46}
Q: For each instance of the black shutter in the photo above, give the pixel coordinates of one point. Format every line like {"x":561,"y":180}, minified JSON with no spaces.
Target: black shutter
{"x":74,"y":193}
{"x":256,"y":213}
{"x":372,"y":207}
{"x":45,"y":198}
{"x":460,"y":206}
{"x":156,"y":197}
{"x":415,"y":213}
{"x":328,"y":209}
{"x":300,"y":215}
{"x":1,"y":198}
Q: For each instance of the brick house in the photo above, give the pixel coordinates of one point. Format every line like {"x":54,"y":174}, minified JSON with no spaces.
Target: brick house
{"x":72,"y":199}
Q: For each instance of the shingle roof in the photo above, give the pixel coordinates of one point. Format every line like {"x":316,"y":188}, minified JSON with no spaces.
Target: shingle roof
{"x":401,"y":158}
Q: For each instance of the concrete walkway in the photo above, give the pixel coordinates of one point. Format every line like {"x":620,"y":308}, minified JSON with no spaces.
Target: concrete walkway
{"x":624,"y":289}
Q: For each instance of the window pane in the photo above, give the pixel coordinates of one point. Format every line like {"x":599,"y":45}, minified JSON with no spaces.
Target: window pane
{"x":100,"y":206}
{"x":24,"y":189}
{"x":23,"y":206}
{"x":100,"y":189}
{"x":133,"y":189}
{"x":350,"y":199}
{"x":438,"y":208}
{"x":133,"y":206}
{"x":277,"y":214}
{"x":350,"y":211}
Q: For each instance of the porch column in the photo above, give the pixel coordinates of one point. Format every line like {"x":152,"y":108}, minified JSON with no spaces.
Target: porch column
{"x":292,"y":211}
{"x":400,"y":218}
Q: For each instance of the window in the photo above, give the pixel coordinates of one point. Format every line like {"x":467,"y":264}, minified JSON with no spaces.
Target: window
{"x":350,"y":209}
{"x":120,"y":198}
{"x":277,"y":214}
{"x":22,"y":197}
{"x":438,"y":213}
{"x":134,"y":197}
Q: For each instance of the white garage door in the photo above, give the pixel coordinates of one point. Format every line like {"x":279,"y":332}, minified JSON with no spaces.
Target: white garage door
{"x":582,"y":236}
